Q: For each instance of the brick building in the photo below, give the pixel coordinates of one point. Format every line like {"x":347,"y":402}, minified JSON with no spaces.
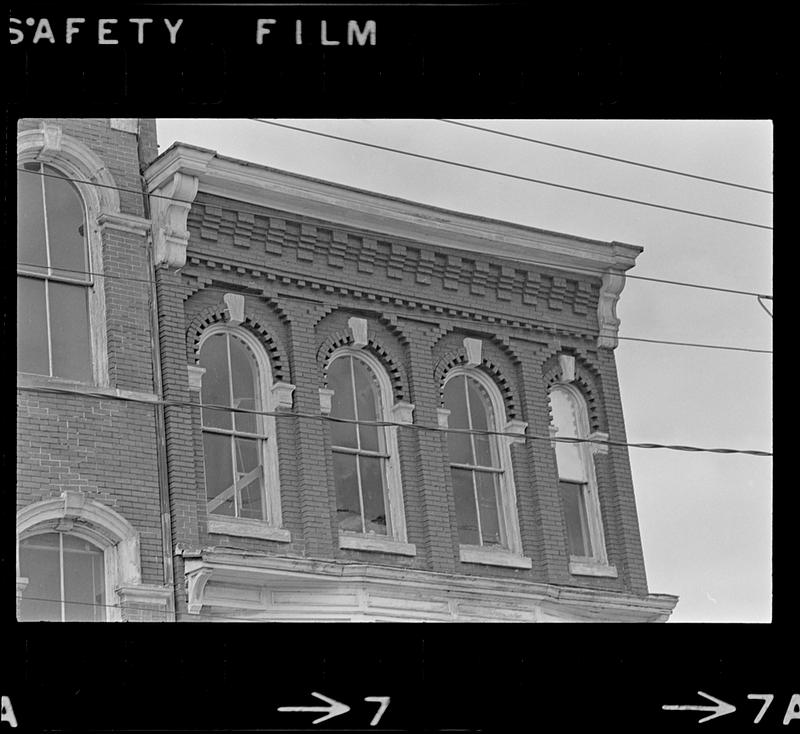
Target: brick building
{"x":389,"y":382}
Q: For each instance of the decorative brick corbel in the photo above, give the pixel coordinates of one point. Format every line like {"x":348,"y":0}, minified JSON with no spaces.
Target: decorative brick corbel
{"x":598,"y":448}
{"x":197,"y":576}
{"x":443,"y":417}
{"x":518,"y":428}
{"x":325,"y":400}
{"x":195,"y":372}
{"x":402,"y":412}
{"x":613,"y":283}
{"x":282,"y":395}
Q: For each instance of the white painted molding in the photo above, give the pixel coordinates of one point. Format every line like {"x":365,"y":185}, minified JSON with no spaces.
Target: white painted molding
{"x":566,"y":363}
{"x":590,"y":568}
{"x":197,"y":577}
{"x":376,"y":544}
{"x":123,"y":223}
{"x":325,"y":400}
{"x":493,"y":557}
{"x":516,"y":426}
{"x":553,"y":431}
{"x":146,"y":598}
{"x":25,"y":379}
{"x":196,"y":373}
{"x":52,"y":135}
{"x":282,"y":394}
{"x":358,"y":328}
{"x":126,"y":124}
{"x":235,"y":304}
{"x":76,"y":513}
{"x":170,"y":210}
{"x":368,"y":211}
{"x":612,"y":285}
{"x":473,"y":348}
{"x":598,"y":448}
{"x":402,"y":412}
{"x":443,"y":416}
{"x":247,"y":528}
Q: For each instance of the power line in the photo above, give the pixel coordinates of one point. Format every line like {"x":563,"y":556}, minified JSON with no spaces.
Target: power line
{"x":608,"y":157}
{"x":223,"y":290}
{"x":577,"y":269}
{"x":511,"y":175}
{"x":389,"y":424}
{"x":760,"y":303}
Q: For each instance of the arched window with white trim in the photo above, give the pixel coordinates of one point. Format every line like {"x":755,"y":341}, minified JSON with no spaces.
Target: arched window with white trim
{"x":480,"y":468}
{"x":366,"y":469}
{"x":53,"y":280}
{"x":577,"y":479}
{"x":241,"y":457}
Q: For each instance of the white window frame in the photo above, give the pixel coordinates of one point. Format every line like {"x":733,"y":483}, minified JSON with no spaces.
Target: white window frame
{"x":597,"y":563}
{"x":79,"y":164}
{"x":509,"y":517}
{"x":271,"y":528}
{"x":396,"y":540}
{"x":75,"y":514}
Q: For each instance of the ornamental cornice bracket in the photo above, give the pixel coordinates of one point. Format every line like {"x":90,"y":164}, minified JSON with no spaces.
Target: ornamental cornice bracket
{"x":197,"y":576}
{"x":170,"y":204}
{"x":612,"y":285}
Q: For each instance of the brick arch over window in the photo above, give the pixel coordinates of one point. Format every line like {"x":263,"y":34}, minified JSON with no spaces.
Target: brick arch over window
{"x":457,"y":357}
{"x":219,"y":314}
{"x":587,"y":382}
{"x":376,"y":347}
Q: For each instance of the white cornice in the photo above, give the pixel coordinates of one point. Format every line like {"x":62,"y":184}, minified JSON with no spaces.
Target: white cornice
{"x":384,"y":215}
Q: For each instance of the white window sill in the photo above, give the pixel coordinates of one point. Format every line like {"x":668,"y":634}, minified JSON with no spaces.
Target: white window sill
{"x":491,"y":557}
{"x":248,"y":529}
{"x":590,"y":567}
{"x":28,"y":379}
{"x":376,"y":544}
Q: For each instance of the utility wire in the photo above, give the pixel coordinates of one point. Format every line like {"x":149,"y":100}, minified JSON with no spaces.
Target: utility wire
{"x":224,"y":290}
{"x":590,"y":271}
{"x":608,"y":157}
{"x":511,"y":175}
{"x":760,"y":303}
{"x":385,"y":424}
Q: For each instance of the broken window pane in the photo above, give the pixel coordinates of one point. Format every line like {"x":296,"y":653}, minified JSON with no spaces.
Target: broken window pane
{"x":219,"y":474}
{"x":372,"y":488}
{"x":249,"y":478}
{"x":244,"y":377}
{"x":348,"y":505}
{"x":574,"y":501}
{"x":569,"y":456}
{"x":466,"y":511}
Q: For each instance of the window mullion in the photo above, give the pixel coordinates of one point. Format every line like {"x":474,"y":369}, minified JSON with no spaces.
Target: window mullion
{"x":61,"y":574}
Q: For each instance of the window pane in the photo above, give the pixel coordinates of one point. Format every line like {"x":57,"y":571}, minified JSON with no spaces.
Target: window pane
{"x":215,"y":389}
{"x":487,"y":485}
{"x":574,"y":502}
{"x":340,"y":381}
{"x":480,"y":410}
{"x":367,"y":405}
{"x":466,"y":513}
{"x":39,"y":563}
{"x":219,"y":474}
{"x":244,"y":374}
{"x":66,"y":228}
{"x":84,"y":581}
{"x":458,"y":444}
{"x":348,"y":507}
{"x":32,"y":352}
{"x":372,"y":491}
{"x":31,"y":243}
{"x":569,"y":456}
{"x":249,"y":478}
{"x":69,"y":330}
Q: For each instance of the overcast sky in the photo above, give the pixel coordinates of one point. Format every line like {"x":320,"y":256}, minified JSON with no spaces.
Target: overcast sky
{"x":705,"y":519}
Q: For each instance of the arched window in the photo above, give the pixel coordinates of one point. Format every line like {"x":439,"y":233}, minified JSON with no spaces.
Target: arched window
{"x":480,"y":465}
{"x":67,"y":579}
{"x":53,"y":280}
{"x":241,"y":458}
{"x":369,"y":499}
{"x":576,"y":476}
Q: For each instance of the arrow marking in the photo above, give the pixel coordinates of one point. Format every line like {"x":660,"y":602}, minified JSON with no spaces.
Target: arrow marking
{"x":720,"y":709}
{"x":335,"y":708}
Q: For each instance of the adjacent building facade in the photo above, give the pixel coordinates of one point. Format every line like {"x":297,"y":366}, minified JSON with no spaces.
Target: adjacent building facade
{"x":305,"y":402}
